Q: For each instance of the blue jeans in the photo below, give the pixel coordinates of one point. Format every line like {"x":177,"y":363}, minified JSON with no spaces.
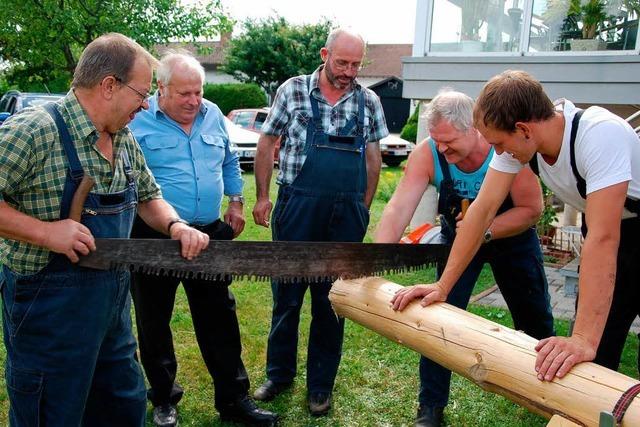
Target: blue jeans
{"x":70,"y":351}
{"x":518,"y":269}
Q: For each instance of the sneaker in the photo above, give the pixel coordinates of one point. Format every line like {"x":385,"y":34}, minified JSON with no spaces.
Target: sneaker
{"x":319,"y":404}
{"x":165,"y":416}
{"x":269,"y":390}
{"x":245,"y":411}
{"x":429,"y":416}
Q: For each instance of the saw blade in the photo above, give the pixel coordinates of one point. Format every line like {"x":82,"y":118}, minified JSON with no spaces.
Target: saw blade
{"x":286,"y":261}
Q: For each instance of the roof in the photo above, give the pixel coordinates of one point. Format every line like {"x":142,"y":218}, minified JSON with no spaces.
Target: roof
{"x":384,"y":60}
{"x":214,"y":50}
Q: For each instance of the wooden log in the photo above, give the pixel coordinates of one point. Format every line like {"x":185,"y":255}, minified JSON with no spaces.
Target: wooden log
{"x":495,"y":357}
{"x":558,"y":421}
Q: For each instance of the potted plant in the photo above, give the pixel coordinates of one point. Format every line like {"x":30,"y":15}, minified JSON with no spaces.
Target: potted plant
{"x":584,"y":22}
{"x":473,"y":16}
{"x":545,"y":227}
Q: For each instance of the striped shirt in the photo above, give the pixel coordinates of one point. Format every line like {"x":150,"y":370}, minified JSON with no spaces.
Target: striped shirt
{"x":291,"y":114}
{"x":33,"y":170}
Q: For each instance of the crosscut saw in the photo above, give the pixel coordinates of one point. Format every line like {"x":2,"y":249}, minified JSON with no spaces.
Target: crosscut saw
{"x":286,"y":261}
{"x":223,"y":259}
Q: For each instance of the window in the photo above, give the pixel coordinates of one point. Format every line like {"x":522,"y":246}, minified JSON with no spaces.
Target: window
{"x":243,"y":119}
{"x":583,"y":25}
{"x":476,"y":25}
{"x":260,"y":119}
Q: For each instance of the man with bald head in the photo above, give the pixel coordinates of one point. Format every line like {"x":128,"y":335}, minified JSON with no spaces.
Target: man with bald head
{"x":329,"y":167}
{"x":186,"y":144}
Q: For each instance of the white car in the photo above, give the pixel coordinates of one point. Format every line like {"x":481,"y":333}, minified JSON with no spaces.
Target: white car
{"x":244,"y":142}
{"x":395,"y":149}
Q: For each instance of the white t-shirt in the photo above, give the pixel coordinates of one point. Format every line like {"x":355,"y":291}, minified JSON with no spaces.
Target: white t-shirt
{"x":607,"y":153}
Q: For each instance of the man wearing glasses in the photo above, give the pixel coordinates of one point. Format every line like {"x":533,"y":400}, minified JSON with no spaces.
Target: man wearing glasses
{"x":67,"y":329}
{"x":329,"y":168}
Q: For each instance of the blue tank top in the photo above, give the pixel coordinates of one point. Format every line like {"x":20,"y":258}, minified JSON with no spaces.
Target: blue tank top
{"x":466,"y":184}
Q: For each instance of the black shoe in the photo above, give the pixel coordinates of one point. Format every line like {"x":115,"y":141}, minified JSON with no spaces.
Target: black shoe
{"x":165,"y":416}
{"x":319,"y":404}
{"x":269,"y":390}
{"x":244,"y":410}
{"x":429,"y":416}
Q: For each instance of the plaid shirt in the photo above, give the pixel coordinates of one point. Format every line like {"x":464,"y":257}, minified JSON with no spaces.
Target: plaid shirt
{"x":33,"y":170}
{"x":291,"y":114}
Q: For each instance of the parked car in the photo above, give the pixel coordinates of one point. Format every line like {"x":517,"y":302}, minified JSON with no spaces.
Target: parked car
{"x":252,"y":119}
{"x":395,"y":149}
{"x":244,"y":142}
{"x":14,"y":101}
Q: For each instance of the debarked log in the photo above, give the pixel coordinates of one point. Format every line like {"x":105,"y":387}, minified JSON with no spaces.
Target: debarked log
{"x":495,"y":357}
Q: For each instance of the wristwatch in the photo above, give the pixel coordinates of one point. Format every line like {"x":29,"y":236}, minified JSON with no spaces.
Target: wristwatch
{"x":173,"y":221}
{"x":237,"y":198}
{"x":487,"y":236}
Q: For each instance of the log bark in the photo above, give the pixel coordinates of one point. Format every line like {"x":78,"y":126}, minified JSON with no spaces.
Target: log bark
{"x":495,"y":357}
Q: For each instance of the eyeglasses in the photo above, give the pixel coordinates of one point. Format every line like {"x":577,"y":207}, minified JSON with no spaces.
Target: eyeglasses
{"x":143,"y":96}
{"x":342,"y":65}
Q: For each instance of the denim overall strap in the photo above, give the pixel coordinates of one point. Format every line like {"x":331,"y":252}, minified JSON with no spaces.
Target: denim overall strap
{"x":334,"y":163}
{"x":356,"y":120}
{"x":75,"y":169}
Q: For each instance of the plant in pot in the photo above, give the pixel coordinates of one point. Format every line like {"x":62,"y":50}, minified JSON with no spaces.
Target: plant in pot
{"x":473,"y":16}
{"x":545,"y":227}
{"x":584,"y":23}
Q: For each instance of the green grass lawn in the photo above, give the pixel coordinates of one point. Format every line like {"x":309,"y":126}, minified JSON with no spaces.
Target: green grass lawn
{"x":378,"y":379}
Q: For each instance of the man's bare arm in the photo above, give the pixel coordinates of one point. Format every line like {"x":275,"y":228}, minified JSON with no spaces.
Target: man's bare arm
{"x":398,"y":212}
{"x":526,"y":195}
{"x":66,"y":237}
{"x":374,"y":164}
{"x":557,"y":355}
{"x":263,"y":169}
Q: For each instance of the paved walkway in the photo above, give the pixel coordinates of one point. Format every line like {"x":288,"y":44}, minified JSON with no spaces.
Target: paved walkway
{"x":563,"y":306}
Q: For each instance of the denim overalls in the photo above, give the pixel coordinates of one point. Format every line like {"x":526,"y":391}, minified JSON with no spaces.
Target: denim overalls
{"x":324,"y":203}
{"x":67,"y":329}
{"x":516,"y":263}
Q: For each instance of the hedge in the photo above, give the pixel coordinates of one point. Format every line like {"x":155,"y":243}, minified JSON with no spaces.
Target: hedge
{"x":410,"y":130}
{"x":231,"y":96}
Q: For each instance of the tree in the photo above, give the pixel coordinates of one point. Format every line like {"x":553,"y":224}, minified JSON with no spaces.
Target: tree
{"x":42,"y":39}
{"x":272,"y":50}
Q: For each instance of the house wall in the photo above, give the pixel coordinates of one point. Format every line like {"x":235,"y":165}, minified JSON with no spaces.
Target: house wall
{"x":597,"y":79}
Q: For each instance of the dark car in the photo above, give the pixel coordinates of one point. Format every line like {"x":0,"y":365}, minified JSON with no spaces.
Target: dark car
{"x":252,"y":119}
{"x":14,"y":101}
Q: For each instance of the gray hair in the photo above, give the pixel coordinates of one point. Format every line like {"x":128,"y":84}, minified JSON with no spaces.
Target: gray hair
{"x":111,"y":54}
{"x":337,"y":32}
{"x":452,"y":106}
{"x":172,"y":59}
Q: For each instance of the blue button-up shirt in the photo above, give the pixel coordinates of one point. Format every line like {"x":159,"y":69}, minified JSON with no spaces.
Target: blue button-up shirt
{"x":193,"y":170}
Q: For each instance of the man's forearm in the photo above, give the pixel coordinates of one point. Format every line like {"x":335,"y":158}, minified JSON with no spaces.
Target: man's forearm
{"x":157,"y":213}
{"x":263,"y":166}
{"x":596,"y":286}
{"x":513,"y":222}
{"x":374,"y":164}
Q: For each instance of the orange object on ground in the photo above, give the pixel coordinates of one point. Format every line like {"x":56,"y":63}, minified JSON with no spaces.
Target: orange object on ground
{"x":416,"y":235}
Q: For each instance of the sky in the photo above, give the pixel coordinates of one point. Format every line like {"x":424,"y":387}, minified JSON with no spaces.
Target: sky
{"x":377,"y":21}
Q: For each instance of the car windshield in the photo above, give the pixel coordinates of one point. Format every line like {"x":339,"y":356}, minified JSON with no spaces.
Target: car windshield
{"x":33,"y":101}
{"x":260,"y":118}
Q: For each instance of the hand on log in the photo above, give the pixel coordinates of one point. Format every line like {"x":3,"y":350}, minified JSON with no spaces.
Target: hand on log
{"x":429,"y":293}
{"x":557,"y":355}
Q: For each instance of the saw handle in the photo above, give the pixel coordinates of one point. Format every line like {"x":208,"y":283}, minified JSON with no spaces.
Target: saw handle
{"x":464,"y":205}
{"x":80,"y":196}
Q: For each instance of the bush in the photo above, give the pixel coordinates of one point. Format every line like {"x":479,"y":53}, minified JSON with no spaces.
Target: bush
{"x":410,"y":130}
{"x":231,"y":96}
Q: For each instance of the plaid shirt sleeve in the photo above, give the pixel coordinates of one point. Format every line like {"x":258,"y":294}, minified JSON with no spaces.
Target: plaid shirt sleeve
{"x":279,"y":115}
{"x":18,"y":137}
{"x":378,"y":124}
